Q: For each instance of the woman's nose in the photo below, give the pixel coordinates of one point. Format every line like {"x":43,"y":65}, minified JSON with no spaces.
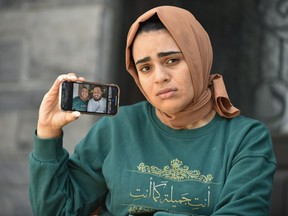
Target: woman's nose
{"x":161,"y":75}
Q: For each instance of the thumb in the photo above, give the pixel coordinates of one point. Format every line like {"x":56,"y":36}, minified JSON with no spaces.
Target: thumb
{"x":71,"y":116}
{"x":76,"y":115}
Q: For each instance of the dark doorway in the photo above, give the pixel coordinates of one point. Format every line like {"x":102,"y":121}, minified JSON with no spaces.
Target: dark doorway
{"x":222,"y":21}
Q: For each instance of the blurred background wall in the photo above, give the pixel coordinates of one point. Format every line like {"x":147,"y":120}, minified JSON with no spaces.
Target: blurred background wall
{"x":40,"y":40}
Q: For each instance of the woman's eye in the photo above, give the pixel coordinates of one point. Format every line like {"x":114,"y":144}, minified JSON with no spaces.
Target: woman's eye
{"x":171,"y":61}
{"x":145,"y":69}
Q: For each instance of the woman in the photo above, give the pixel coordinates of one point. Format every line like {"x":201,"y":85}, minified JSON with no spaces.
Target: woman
{"x":81,"y":102}
{"x":185,"y":152}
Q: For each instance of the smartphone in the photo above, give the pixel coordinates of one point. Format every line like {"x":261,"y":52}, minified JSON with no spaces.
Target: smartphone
{"x":90,"y":97}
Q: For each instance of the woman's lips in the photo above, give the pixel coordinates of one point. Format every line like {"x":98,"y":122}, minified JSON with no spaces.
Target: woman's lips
{"x":166,"y":93}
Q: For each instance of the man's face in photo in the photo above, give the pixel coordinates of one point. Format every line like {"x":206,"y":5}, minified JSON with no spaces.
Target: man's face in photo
{"x":97,"y":93}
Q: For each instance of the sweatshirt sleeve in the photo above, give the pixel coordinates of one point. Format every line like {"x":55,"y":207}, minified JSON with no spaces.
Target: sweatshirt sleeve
{"x":54,"y":182}
{"x":249,"y":179}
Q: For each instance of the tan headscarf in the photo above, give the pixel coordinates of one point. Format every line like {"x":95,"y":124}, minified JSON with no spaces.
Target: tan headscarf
{"x":195,"y":45}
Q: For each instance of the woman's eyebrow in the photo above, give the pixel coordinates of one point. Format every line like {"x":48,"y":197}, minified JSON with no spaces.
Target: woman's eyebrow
{"x":163,"y":54}
{"x":160,"y":55}
{"x":145,"y":59}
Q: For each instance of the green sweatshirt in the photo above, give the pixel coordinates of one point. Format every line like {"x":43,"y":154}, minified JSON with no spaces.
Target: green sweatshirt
{"x":134,"y":164}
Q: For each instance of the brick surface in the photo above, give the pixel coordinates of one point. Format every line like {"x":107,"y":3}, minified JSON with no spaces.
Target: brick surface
{"x":10,"y":61}
{"x":14,"y":195}
{"x":37,"y":43}
{"x":21,"y":100}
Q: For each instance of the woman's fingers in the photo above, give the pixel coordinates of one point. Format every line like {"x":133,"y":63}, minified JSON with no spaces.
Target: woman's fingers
{"x":51,"y":118}
{"x":54,"y":90}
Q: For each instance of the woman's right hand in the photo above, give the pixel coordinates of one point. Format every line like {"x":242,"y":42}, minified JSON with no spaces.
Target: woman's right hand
{"x":51,"y":118}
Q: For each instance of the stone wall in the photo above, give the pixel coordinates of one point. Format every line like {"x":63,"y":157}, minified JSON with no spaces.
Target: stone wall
{"x":40,"y":40}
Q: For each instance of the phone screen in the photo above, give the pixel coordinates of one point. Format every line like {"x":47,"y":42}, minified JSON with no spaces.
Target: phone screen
{"x":90,"y":98}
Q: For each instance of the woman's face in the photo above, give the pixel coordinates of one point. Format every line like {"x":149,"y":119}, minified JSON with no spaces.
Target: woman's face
{"x":84,"y":93}
{"x":163,"y":72}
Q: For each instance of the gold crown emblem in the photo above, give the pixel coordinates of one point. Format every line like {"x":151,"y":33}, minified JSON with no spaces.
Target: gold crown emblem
{"x":176,"y":171}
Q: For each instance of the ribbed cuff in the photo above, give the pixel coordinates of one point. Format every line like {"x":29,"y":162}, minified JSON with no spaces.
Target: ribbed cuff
{"x":48,"y":150}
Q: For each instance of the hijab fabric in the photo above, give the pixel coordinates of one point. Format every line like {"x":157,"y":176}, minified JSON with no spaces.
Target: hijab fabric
{"x":194,"y":42}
